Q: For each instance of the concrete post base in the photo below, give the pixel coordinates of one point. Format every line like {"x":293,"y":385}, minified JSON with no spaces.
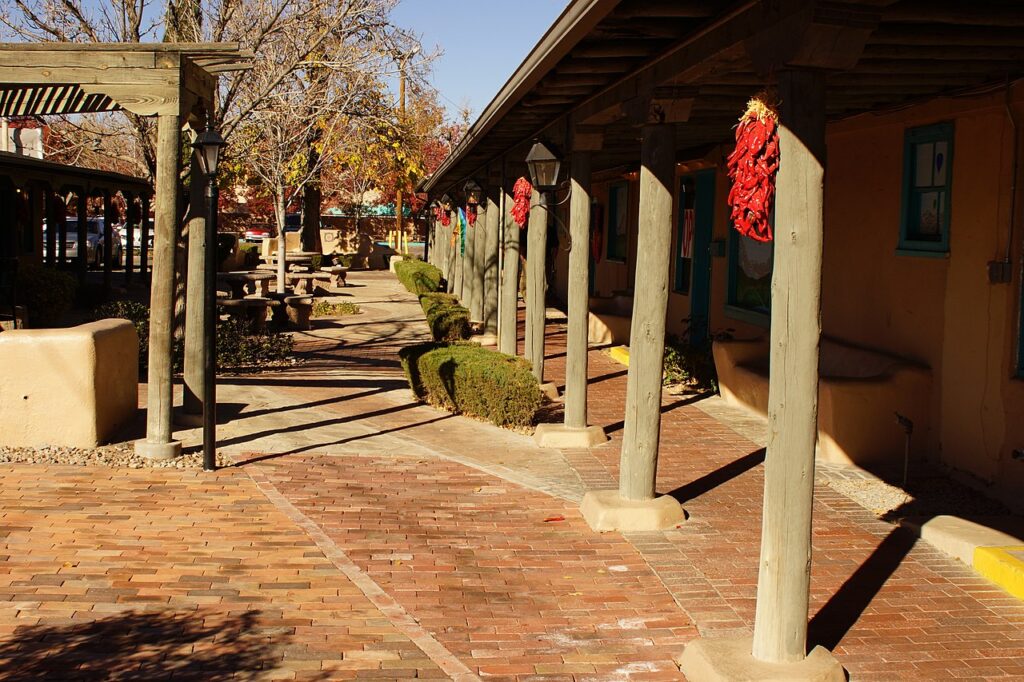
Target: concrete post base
{"x":550,"y":391}
{"x":563,"y":437}
{"x":158,"y":451}
{"x":485,"y":339}
{"x":730,"y":660}
{"x":606,"y":510}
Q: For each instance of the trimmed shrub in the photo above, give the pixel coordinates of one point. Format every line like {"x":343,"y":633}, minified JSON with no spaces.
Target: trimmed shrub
{"x":47,"y":293}
{"x":469,"y":379}
{"x":324,"y":308}
{"x":418,"y":276}
{"x":448,"y":320}
{"x":250,"y":255}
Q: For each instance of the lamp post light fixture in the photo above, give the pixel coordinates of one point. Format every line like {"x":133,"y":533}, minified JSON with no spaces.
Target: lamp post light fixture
{"x":544,"y":167}
{"x":207,"y":146}
{"x":447,"y":203}
{"x":473,"y":192}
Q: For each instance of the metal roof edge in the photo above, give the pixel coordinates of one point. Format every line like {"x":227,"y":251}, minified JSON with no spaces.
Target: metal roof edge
{"x":575,"y":21}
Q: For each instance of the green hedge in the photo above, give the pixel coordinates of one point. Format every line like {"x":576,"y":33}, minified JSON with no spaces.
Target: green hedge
{"x":448,"y":320}
{"x":418,"y":276}
{"x":47,"y":293}
{"x":469,"y":379}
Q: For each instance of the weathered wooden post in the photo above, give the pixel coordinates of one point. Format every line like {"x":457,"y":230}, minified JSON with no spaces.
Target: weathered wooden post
{"x":574,"y":432}
{"x":536,"y":285}
{"x":82,"y":262}
{"x":474,"y":262}
{"x":780,"y":625}
{"x":508,"y":328}
{"x":492,"y":225}
{"x":144,"y":270}
{"x":634,"y":505}
{"x":131,"y":216}
{"x":159,"y":443}
{"x":195,"y":334}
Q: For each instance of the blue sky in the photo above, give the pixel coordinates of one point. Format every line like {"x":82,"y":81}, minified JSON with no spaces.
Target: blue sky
{"x":483,"y":42}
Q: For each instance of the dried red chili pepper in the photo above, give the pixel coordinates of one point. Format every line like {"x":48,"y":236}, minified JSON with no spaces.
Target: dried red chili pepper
{"x":752,"y":168}
{"x":522,"y":192}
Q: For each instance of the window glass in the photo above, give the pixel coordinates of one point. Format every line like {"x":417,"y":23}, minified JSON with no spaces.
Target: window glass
{"x":926,"y":192}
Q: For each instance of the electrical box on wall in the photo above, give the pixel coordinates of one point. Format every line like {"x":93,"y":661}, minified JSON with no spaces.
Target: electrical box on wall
{"x":999,"y":272}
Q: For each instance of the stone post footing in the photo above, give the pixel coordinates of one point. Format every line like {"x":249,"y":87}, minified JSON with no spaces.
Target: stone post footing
{"x":485,"y":339}
{"x":730,"y":660}
{"x":550,"y":391}
{"x":606,"y":510}
{"x":158,"y":451}
{"x":561,"y":436}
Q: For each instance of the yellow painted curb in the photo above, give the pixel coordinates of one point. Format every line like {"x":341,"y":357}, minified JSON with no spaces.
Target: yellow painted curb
{"x":620,"y":354}
{"x":1002,"y":565}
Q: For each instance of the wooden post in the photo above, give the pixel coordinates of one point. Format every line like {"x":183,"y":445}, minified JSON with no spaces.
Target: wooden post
{"x":158,"y":443}
{"x":780,"y":625}
{"x":144,"y":239}
{"x":195,"y":333}
{"x":490,"y":262}
{"x":458,"y":259}
{"x":131,"y":215}
{"x":508,"y":323}
{"x":474,"y":250}
{"x":50,"y":197}
{"x":82,"y":264}
{"x":536,"y":284}
{"x":108,"y":242}
{"x":639,"y":459}
{"x":579,"y":304}
{"x":61,"y":217}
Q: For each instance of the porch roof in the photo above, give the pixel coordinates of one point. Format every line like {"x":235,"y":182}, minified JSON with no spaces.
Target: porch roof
{"x":23,"y":170}
{"x":602,"y":57}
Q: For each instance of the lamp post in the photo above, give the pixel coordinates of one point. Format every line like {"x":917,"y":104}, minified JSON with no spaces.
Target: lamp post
{"x":207,"y":148}
{"x":543,"y":166}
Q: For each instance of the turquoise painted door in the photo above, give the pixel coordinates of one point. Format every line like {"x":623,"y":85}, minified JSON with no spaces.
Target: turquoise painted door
{"x":695,"y":222}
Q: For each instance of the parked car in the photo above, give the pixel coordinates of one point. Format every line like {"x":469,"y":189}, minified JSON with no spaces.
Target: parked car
{"x":94,"y":243}
{"x":256,"y":233}
{"x":122,"y":230}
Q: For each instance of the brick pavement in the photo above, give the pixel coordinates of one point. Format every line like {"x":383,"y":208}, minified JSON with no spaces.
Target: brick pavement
{"x":363,"y":535}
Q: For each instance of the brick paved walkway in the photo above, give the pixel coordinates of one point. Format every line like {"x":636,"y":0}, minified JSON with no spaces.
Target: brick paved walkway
{"x":364,"y":535}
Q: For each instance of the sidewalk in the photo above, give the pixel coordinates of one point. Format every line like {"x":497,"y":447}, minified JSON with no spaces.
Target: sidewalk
{"x":364,"y":535}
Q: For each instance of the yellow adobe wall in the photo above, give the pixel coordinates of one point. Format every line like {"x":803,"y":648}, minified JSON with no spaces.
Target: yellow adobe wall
{"x":941,"y":311}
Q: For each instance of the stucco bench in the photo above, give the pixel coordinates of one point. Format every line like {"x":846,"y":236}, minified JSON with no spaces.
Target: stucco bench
{"x":609,"y":319}
{"x":860,"y":391}
{"x":338,"y":273}
{"x":68,"y":387}
{"x":300,"y":309}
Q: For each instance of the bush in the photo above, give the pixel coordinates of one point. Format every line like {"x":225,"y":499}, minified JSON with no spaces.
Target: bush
{"x":448,"y":320}
{"x":250,"y":255}
{"x":418,"y":276}
{"x":324,"y":308}
{"x":48,"y":294}
{"x":472,"y":380}
{"x":236,"y":348}
{"x":690,"y":365}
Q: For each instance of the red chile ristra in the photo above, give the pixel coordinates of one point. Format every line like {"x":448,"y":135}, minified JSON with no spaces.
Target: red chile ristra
{"x":752,"y":168}
{"x":522,"y":192}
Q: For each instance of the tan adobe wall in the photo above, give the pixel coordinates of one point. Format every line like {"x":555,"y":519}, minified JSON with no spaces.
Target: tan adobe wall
{"x":67,"y":387}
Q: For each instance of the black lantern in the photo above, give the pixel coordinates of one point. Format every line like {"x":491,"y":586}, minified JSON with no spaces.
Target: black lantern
{"x":544,"y":167}
{"x":446,"y":203}
{"x":208,"y":145}
{"x":473,"y":192}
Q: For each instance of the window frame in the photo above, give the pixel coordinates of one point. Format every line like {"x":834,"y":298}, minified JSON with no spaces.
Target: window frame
{"x":908,"y":246}
{"x":611,"y":217}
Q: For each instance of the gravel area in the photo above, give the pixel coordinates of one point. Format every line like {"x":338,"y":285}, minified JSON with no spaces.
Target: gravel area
{"x":925,"y":496}
{"x":115,"y":455}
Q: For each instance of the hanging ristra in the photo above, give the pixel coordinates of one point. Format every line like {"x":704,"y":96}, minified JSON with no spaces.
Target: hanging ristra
{"x":471,"y":214}
{"x":522,"y":193}
{"x":752,"y":168}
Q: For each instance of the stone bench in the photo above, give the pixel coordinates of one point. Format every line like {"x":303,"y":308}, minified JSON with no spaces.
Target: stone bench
{"x":337,"y":273}
{"x":300,"y":309}
{"x":860,"y":391}
{"x":68,"y":387}
{"x":306,"y":282}
{"x":252,"y":311}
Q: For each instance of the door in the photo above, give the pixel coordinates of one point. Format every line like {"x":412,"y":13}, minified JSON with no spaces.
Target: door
{"x":695,"y":221}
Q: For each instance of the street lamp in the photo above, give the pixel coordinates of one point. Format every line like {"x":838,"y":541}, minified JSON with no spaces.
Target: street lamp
{"x":472,"y":191}
{"x":207,"y":146}
{"x":544,"y":167}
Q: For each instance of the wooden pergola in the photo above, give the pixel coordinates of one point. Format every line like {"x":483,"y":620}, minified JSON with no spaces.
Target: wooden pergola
{"x":176,"y":83}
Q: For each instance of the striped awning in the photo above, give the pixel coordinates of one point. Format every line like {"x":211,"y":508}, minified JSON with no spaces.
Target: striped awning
{"x":45,"y":99}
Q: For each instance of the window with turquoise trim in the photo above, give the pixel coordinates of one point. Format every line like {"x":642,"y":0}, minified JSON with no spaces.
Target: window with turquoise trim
{"x":750,"y":275}
{"x":684,"y":234}
{"x":618,"y":222}
{"x":927,"y":179}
